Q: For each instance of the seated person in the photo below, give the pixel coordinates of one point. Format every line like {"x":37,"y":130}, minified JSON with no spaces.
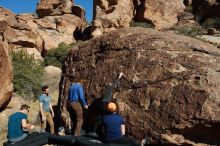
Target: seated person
{"x":17,"y":125}
{"x":114,"y":127}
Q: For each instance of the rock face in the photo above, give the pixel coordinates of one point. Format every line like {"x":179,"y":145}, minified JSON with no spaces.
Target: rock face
{"x":171,"y":83}
{"x":54,"y":7}
{"x":213,"y":39}
{"x":162,"y":14}
{"x":110,"y":15}
{"x":206,"y":8}
{"x":6,"y":76}
{"x":51,"y":78}
{"x":39,"y":34}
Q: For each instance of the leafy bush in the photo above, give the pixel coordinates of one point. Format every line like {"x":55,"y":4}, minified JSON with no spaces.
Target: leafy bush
{"x":27,"y":75}
{"x":211,"y":23}
{"x":56,"y":56}
{"x":141,"y":24}
{"x":192,"y":31}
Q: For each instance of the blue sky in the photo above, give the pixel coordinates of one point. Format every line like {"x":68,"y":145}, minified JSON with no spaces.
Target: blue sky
{"x":29,"y":6}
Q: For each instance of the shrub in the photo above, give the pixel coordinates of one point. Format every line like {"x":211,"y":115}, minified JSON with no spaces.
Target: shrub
{"x":27,"y":75}
{"x":56,"y":56}
{"x":141,"y":24}
{"x":192,"y":31}
{"x":211,"y":23}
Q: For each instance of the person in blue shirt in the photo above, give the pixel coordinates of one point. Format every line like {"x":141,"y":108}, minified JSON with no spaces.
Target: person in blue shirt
{"x":46,"y":110}
{"x":75,"y":99}
{"x":18,"y":125}
{"x":114,"y":127}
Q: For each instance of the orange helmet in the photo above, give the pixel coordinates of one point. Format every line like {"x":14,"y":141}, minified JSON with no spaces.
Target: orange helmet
{"x":111,"y":107}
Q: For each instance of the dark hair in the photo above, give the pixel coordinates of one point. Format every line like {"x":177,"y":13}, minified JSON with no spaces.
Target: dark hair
{"x":24,"y":106}
{"x":71,"y":78}
{"x":44,"y":88}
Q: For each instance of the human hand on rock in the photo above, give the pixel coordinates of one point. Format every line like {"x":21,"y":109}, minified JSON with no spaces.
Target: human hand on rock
{"x":121,"y":74}
{"x":86,"y":106}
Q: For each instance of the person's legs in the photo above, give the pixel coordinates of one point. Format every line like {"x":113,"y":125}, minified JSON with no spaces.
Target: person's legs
{"x":51,"y":123}
{"x":44,"y":123}
{"x":72,"y":117}
{"x":17,"y":139}
{"x":79,"y":116}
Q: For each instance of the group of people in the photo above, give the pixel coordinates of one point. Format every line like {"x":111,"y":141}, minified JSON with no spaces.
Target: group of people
{"x":18,"y":125}
{"x":113,"y":125}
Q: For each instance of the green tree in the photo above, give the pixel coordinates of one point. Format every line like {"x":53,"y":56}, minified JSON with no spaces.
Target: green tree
{"x":27,"y":75}
{"x":56,"y":56}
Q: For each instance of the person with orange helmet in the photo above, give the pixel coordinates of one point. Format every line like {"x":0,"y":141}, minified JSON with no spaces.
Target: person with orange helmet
{"x":114,"y":127}
{"x":99,"y":106}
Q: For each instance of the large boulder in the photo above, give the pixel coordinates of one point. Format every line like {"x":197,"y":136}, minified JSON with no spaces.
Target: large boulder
{"x":45,"y":8}
{"x":6,"y":86}
{"x":8,"y":16}
{"x":79,"y":11}
{"x":3,"y":24}
{"x":51,"y":78}
{"x":110,"y":15}
{"x":162,"y":14}
{"x":171,"y":83}
{"x":54,"y":7}
{"x":37,"y":35}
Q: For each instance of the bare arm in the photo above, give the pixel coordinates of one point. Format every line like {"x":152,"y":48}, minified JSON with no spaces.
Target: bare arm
{"x":107,"y":93}
{"x":26,"y":125}
{"x":123,"y":129}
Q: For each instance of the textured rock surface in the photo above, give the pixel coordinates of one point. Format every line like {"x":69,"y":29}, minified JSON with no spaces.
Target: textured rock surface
{"x":162,"y":14}
{"x":41,"y":34}
{"x":170,"y":84}
{"x":54,"y":7}
{"x":110,"y":15}
{"x":213,"y":39}
{"x":176,"y":139}
{"x":79,"y":11}
{"x":6,"y":76}
{"x":51,"y":78}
